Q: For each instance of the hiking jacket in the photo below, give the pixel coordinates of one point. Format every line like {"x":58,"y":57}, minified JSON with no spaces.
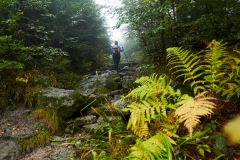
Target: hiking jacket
{"x":113,"y":51}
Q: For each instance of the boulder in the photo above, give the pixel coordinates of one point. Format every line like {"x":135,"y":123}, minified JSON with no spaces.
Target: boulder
{"x":128,"y":82}
{"x":63,"y":153}
{"x":99,"y":83}
{"x":84,"y":120}
{"x":9,"y":150}
{"x":63,"y":101}
{"x":95,"y":128}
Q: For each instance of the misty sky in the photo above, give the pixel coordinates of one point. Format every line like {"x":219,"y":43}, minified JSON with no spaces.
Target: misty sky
{"x":110,"y":18}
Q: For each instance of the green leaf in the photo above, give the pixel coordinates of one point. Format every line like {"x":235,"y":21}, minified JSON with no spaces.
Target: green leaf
{"x":220,"y":143}
{"x":201,"y":151}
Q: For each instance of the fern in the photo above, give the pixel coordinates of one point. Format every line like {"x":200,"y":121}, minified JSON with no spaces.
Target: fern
{"x":151,"y":99}
{"x":156,"y":147}
{"x":150,"y":87}
{"x":217,"y":70}
{"x":186,"y":65}
{"x":192,"y":108}
{"x":222,"y":70}
{"x":140,"y":114}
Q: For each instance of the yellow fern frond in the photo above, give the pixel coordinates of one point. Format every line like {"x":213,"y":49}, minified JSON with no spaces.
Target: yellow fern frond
{"x":192,"y":108}
{"x":143,"y":131}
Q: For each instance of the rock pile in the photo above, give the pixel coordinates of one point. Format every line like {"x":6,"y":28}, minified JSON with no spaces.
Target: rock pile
{"x":74,"y":109}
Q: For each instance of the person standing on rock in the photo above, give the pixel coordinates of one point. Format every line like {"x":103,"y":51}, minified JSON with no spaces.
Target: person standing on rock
{"x":115,"y":50}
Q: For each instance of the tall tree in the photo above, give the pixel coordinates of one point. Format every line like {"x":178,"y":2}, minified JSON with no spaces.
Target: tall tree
{"x":79,"y":29}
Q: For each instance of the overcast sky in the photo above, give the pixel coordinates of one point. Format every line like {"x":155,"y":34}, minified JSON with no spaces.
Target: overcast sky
{"x":111,"y":19}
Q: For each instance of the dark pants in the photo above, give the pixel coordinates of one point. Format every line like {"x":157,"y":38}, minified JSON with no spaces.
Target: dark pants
{"x":116,"y":60}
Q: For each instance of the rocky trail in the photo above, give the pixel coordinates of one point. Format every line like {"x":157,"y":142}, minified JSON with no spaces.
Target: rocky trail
{"x":17,"y":125}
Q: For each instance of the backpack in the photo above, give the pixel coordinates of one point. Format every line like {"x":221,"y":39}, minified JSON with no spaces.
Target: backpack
{"x":115,"y":49}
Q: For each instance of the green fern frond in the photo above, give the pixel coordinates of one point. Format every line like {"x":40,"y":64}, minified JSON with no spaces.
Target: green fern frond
{"x":192,"y":108}
{"x":215,"y":57}
{"x":231,"y":90}
{"x":222,"y":70}
{"x":156,"y":147}
{"x":187,"y":65}
{"x":217,"y":70}
{"x":150,"y":101}
{"x":150,"y":87}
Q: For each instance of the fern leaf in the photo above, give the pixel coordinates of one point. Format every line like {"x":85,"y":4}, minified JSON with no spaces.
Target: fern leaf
{"x":150,"y":101}
{"x":185,"y":64}
{"x":156,"y":147}
{"x":191,"y":108}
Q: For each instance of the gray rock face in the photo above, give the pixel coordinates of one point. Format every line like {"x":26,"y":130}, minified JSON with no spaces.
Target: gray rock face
{"x":9,"y":150}
{"x":99,"y":84}
{"x":59,"y":149}
{"x":128,"y":74}
{"x":85,"y":120}
{"x":127,"y":81}
{"x":62,"y":153}
{"x":60,"y":100}
{"x":110,"y":118}
{"x":94,"y":128}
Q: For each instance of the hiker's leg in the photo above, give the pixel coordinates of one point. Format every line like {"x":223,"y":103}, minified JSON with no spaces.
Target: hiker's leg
{"x":115,"y":61}
{"x":118,"y":59}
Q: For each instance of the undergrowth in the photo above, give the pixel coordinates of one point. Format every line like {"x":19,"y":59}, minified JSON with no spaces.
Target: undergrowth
{"x":49,"y":116}
{"x":40,"y":139}
{"x":168,"y":123}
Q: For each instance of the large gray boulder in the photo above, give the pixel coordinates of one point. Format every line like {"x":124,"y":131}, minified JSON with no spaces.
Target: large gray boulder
{"x":99,"y":83}
{"x":94,"y":88}
{"x":64,"y":102}
{"x":9,"y":150}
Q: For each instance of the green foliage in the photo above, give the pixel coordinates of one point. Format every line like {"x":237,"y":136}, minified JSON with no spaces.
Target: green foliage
{"x":186,"y":65}
{"x":30,"y":95}
{"x":150,"y":101}
{"x":38,"y":34}
{"x":67,"y":80}
{"x":156,"y":108}
{"x":138,"y":56}
{"x":222,"y":70}
{"x":159,"y":24}
{"x":79,"y":29}
{"x":49,"y":116}
{"x":156,"y":147}
{"x":215,"y":70}
{"x":40,"y":139}
{"x":192,"y":146}
{"x":145,"y":70}
{"x":109,"y":141}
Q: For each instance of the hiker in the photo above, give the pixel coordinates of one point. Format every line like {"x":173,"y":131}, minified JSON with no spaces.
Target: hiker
{"x":115,"y":50}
